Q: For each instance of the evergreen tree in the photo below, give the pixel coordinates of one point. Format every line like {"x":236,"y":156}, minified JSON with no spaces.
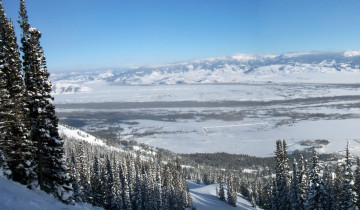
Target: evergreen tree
{"x":96,"y":185}
{"x":284,"y":188}
{"x":126,"y":191}
{"x":303,"y":182}
{"x":279,"y":175}
{"x":357,"y":182}
{"x":338,"y":190}
{"x":17,"y":144}
{"x":282,"y":195}
{"x":158,"y":186}
{"x":316,"y":191}
{"x":231,"y":193}
{"x":5,"y":114}
{"x":328,"y":189}
{"x":221,"y":191}
{"x":50,"y":161}
{"x":117,"y":188}
{"x":348,"y":187}
{"x":82,"y":169}
{"x":109,"y":185}
{"x":295,"y":195}
{"x":74,"y":178}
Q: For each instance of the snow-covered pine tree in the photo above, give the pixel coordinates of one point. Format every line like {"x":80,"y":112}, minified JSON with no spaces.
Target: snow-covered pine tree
{"x":139,"y":193}
{"x":357,"y":182}
{"x":167,"y":189}
{"x":295,"y":198}
{"x":282,"y":195}
{"x":338,"y":191}
{"x":328,"y":189}
{"x":316,"y":190}
{"x":19,"y":146}
{"x":109,"y":185}
{"x":117,"y":188}
{"x":221,"y":190}
{"x":158,"y":185}
{"x":126,"y":191}
{"x":303,"y":182}
{"x":348,"y":187}
{"x":71,"y":160}
{"x":278,"y":175}
{"x":231,"y":192}
{"x":50,"y":161}
{"x":5,"y":115}
{"x":82,"y":169}
{"x":284,"y":188}
{"x":95,"y":183}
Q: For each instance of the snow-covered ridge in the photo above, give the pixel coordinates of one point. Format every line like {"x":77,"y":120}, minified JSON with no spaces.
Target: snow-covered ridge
{"x":352,"y":53}
{"x":72,"y":133}
{"x":231,"y":69}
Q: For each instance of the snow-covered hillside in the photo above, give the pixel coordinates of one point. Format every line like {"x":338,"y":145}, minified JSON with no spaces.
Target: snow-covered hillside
{"x":290,"y":67}
{"x":14,"y":196}
{"x":204,"y":198}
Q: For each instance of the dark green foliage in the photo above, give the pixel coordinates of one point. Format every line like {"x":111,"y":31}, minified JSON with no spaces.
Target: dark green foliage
{"x":348,"y":186}
{"x":316,"y":194}
{"x":357,"y":182}
{"x":221,"y":191}
{"x":16,"y":145}
{"x":50,"y":165}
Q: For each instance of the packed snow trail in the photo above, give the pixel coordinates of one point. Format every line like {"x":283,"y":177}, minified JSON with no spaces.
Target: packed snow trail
{"x":14,"y":196}
{"x":204,"y":197}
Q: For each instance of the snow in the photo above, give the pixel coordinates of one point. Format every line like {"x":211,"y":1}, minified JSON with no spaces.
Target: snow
{"x":204,"y":198}
{"x":352,"y":53}
{"x":233,"y":79}
{"x":14,"y":196}
{"x":243,"y":57}
{"x":297,"y":54}
{"x":79,"y":135}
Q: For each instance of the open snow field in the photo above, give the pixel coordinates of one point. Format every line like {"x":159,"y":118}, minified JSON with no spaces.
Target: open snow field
{"x":204,"y":198}
{"x":14,"y":196}
{"x":245,"y":118}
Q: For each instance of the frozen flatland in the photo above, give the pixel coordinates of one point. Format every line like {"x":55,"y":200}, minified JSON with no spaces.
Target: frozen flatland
{"x":246,"y":118}
{"x":221,"y":105}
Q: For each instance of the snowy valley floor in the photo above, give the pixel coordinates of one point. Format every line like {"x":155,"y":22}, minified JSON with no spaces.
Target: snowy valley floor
{"x":233,"y":118}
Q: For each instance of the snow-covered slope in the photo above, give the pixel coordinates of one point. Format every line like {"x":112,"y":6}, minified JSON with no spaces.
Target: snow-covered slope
{"x":14,"y":196}
{"x":204,"y":198}
{"x":233,"y":69}
{"x":72,"y":133}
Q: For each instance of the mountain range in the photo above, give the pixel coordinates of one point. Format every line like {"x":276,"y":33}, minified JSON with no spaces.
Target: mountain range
{"x":230,"y":69}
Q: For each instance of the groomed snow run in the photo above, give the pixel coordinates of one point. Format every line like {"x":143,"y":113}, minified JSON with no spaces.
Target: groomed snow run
{"x":204,"y":198}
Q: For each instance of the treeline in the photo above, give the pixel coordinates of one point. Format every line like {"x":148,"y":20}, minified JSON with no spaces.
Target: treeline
{"x":31,"y":151}
{"x":230,"y":161}
{"x":303,"y":183}
{"x":114,"y":179}
{"x":314,"y":186}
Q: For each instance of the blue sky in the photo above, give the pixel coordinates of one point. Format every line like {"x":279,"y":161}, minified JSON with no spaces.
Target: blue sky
{"x":90,"y":34}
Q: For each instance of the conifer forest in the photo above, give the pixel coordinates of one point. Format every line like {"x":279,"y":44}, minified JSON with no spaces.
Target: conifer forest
{"x":201,"y":134}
